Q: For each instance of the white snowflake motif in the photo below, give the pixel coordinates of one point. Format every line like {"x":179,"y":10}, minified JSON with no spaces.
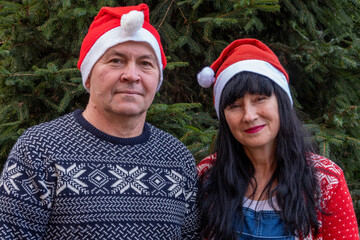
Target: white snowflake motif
{"x":177,"y":187}
{"x":8,"y":176}
{"x":69,"y":178}
{"x":128,"y":179}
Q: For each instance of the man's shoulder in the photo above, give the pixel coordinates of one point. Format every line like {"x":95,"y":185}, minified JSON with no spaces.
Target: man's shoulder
{"x":50,"y":127}
{"x":41,"y":139}
{"x":163,"y":136}
{"x":167,"y":144}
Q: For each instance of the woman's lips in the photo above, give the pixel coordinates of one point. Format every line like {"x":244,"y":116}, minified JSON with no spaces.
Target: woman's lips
{"x":254,"y":129}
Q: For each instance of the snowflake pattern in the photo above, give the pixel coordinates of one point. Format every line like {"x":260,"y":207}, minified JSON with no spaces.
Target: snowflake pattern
{"x":177,"y":187}
{"x":128,"y":179}
{"x":10,"y":173}
{"x":69,"y":178}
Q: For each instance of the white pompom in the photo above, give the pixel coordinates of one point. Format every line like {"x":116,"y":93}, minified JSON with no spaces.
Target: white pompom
{"x":132,"y":22}
{"x":206,"y":77}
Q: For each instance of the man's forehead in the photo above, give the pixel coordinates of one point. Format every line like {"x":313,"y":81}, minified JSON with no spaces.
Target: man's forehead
{"x":144,"y":49}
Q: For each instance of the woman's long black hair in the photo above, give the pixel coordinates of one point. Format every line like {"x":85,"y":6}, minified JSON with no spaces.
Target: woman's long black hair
{"x":223,"y":187}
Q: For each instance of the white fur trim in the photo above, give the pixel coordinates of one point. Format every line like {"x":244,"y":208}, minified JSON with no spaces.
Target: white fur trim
{"x":206,"y":77}
{"x":132,"y":22}
{"x":113,"y":37}
{"x":255,"y":66}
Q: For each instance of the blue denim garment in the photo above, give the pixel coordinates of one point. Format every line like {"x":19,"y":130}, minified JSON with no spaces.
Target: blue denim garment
{"x":261,"y":225}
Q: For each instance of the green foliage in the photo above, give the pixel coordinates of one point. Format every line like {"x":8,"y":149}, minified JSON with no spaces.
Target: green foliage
{"x":316,"y":41}
{"x":188,"y":123}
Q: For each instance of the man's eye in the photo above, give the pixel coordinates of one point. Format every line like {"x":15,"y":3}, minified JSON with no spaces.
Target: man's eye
{"x":146,"y":63}
{"x":115,"y":60}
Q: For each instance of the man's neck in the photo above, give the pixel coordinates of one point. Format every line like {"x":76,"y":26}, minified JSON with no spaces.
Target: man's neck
{"x":115,"y":125}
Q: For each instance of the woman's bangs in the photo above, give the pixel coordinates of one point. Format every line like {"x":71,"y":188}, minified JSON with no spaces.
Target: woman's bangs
{"x":246,"y":82}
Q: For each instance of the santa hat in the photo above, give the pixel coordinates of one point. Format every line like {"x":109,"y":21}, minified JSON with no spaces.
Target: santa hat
{"x":114,"y":25}
{"x":243,"y":55}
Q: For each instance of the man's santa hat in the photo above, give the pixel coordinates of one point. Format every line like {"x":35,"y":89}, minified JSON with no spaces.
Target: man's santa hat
{"x":243,"y":55}
{"x":114,"y":25}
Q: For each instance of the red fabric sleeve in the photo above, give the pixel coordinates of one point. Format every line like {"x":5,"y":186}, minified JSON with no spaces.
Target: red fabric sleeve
{"x":341,"y":223}
{"x":206,"y":164}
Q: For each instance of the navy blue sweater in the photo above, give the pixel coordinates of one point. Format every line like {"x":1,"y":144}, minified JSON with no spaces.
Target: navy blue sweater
{"x":65,"y":179}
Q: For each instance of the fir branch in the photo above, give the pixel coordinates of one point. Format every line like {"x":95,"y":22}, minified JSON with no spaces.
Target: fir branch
{"x":173,"y":65}
{"x":24,"y":74}
{"x":183,"y":16}
{"x":16,"y":123}
{"x":167,"y":12}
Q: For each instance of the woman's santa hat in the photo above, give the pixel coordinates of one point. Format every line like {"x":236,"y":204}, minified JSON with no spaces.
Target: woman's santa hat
{"x":114,"y":25}
{"x":243,"y":55}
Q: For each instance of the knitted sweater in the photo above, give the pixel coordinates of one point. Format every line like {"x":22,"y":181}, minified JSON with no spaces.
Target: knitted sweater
{"x":66,"y":179}
{"x":335,"y":199}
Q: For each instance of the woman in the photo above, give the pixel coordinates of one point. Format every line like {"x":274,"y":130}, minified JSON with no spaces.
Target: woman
{"x":265,"y":182}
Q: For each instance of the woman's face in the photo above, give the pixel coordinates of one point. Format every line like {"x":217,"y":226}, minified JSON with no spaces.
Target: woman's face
{"x":254,"y":121}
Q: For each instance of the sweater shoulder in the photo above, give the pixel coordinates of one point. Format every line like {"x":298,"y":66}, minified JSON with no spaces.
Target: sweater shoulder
{"x":34,"y":148}
{"x":329,"y":175}
{"x":325,"y":166}
{"x":53,"y":127}
{"x":162,"y":137}
{"x":169,"y":147}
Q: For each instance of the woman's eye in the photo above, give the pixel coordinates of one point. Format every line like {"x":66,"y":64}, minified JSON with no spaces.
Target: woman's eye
{"x":234,"y":106}
{"x":260,"y":98}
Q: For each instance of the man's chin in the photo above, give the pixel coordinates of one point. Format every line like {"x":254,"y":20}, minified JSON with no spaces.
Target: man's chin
{"x":129,"y":111}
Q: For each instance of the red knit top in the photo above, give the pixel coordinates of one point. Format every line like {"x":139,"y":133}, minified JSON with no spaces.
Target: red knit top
{"x":335,"y":199}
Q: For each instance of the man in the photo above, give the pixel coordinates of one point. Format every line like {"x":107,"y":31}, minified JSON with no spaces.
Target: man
{"x":104,"y":173}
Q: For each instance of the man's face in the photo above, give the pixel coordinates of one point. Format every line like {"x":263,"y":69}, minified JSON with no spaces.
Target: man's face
{"x":124,"y":80}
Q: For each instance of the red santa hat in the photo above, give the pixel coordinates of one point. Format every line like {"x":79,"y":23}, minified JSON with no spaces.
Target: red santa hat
{"x":114,"y":25}
{"x":243,"y":55}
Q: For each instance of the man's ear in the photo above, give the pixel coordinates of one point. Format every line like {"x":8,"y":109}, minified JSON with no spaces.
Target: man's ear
{"x":87,"y":84}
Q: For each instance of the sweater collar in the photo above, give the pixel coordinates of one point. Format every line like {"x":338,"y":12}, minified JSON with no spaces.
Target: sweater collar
{"x":145,"y":135}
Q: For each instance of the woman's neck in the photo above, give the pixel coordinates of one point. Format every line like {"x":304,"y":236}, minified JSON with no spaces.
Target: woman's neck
{"x":265,"y":165}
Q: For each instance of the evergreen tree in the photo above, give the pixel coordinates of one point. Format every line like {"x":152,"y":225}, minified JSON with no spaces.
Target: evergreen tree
{"x":317,"y":42}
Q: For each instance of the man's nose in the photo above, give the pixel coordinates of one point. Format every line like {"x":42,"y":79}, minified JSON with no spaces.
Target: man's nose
{"x":130,"y":72}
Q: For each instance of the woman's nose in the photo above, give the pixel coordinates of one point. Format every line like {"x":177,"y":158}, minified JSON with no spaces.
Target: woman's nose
{"x":250,"y":113}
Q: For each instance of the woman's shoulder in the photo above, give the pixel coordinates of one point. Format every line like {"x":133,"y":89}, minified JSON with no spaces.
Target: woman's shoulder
{"x":205,"y":164}
{"x":329,"y":175}
{"x":324,"y":165}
